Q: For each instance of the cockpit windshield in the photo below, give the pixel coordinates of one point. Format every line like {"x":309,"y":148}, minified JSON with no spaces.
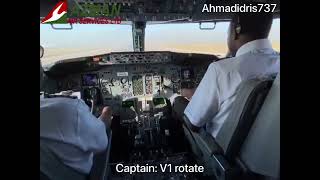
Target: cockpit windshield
{"x":189,"y":38}
{"x":84,"y":40}
{"x":94,"y":39}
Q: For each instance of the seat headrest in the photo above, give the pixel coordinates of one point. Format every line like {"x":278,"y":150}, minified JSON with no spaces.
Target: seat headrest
{"x":261,"y":150}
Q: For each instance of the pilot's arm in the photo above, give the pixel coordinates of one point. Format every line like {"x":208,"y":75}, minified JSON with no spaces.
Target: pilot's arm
{"x":92,"y":133}
{"x":204,"y":104}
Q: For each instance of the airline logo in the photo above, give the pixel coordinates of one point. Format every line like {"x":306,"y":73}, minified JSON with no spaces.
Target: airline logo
{"x":58,"y":15}
{"x":93,"y":14}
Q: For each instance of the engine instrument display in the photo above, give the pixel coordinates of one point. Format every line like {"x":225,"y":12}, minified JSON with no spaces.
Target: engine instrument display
{"x":137,"y":84}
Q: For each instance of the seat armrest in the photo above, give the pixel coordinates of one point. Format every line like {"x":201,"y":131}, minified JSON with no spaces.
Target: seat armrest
{"x":206,"y":142}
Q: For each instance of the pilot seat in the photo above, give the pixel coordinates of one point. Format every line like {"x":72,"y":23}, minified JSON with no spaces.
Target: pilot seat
{"x":248,"y":144}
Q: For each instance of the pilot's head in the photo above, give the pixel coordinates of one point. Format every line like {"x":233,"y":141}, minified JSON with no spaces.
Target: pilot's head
{"x":246,"y":27}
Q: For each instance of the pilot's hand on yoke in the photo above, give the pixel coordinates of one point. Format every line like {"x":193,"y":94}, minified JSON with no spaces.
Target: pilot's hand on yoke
{"x":106,"y":115}
{"x":187,"y":93}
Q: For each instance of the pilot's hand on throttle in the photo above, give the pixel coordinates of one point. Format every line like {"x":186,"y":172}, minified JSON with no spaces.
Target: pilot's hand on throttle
{"x":187,"y":93}
{"x":106,"y":115}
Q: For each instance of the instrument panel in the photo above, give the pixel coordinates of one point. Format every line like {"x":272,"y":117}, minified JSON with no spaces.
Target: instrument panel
{"x":143,"y":76}
{"x":120,"y":82}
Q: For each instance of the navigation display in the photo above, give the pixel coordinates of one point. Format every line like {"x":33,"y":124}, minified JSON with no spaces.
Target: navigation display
{"x":90,"y":80}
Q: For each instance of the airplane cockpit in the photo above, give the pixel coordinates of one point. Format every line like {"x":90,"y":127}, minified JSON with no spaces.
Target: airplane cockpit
{"x":140,"y":86}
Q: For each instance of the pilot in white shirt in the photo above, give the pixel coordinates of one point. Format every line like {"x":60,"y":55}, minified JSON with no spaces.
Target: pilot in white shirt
{"x":253,"y":58}
{"x":70,"y":131}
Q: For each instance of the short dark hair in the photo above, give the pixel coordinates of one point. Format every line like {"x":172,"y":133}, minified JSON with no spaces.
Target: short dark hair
{"x":255,"y":25}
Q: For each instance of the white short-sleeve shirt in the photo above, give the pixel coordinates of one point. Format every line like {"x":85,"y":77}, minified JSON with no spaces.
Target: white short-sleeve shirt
{"x":71,"y":132}
{"x":212,"y":101}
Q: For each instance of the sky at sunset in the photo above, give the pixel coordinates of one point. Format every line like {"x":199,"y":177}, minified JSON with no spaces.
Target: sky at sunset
{"x":87,"y":40}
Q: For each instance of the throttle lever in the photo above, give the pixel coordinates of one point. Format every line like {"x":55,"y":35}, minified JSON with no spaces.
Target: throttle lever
{"x":92,"y":105}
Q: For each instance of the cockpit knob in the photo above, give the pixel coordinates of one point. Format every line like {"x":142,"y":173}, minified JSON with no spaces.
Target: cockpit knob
{"x":123,"y":80}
